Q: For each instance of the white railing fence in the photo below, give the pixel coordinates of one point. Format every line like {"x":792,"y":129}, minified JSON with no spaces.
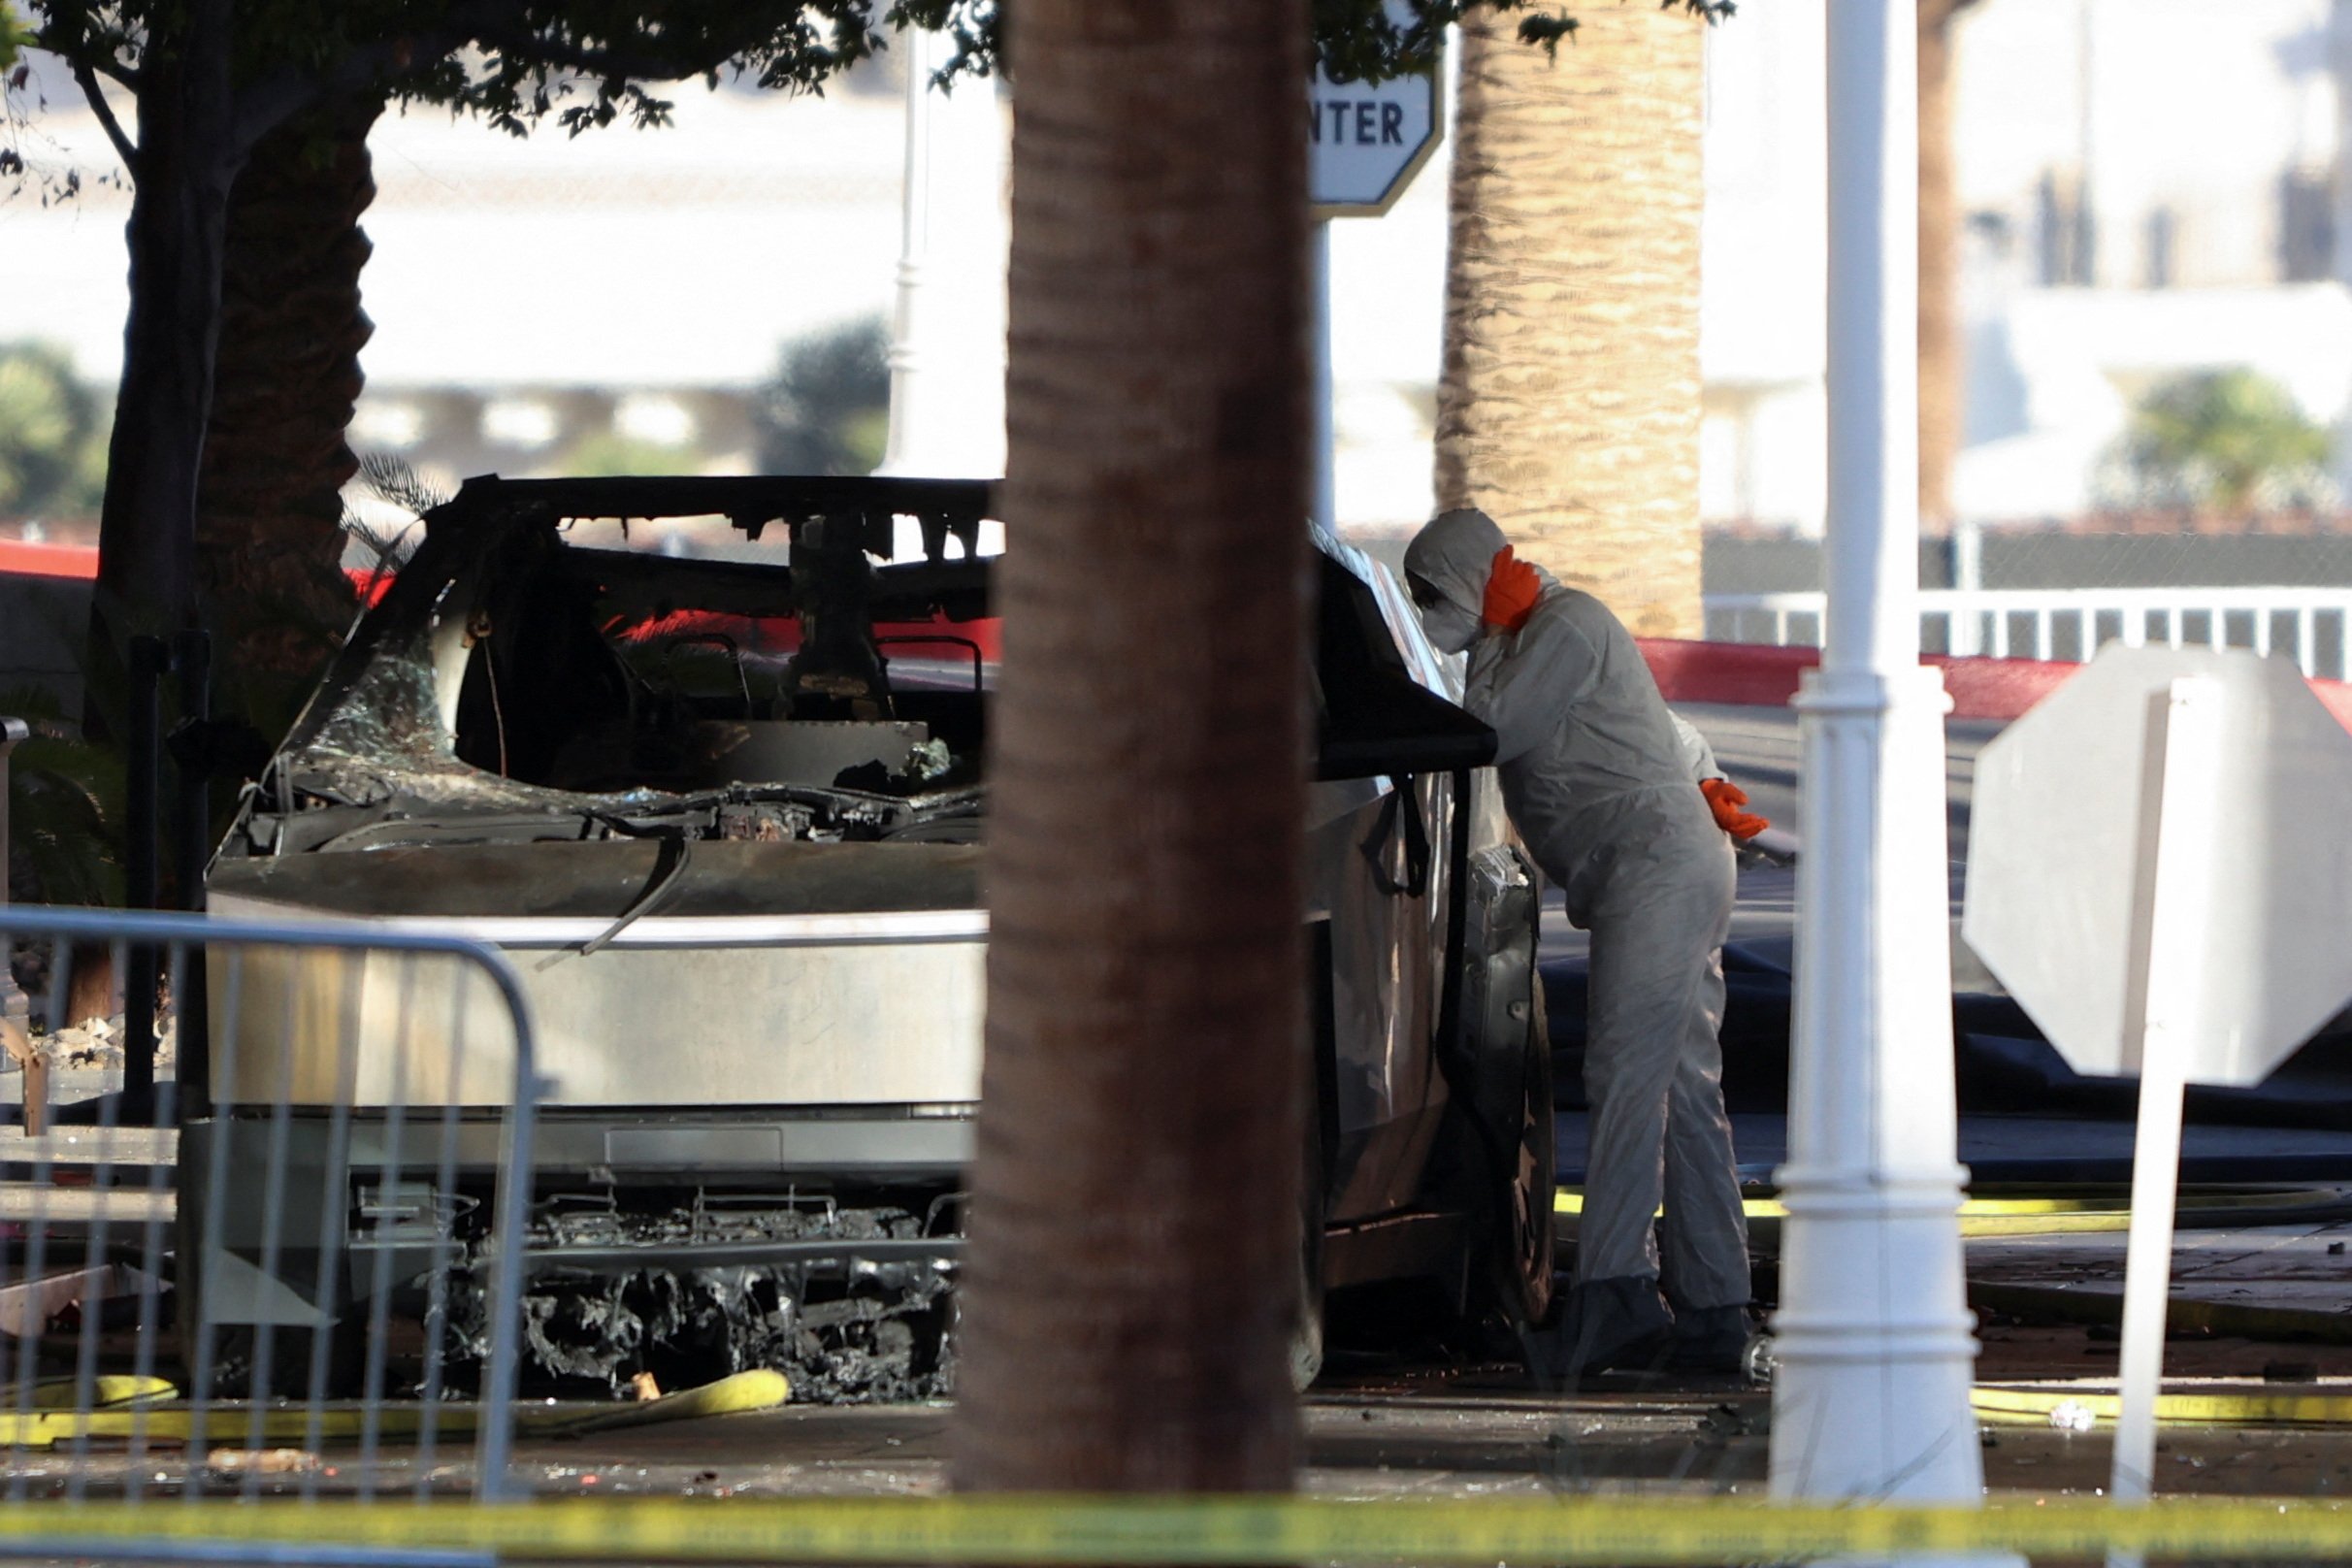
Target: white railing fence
{"x":2313,"y":626}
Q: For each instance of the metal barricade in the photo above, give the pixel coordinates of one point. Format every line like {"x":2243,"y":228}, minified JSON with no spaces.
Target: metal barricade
{"x":293,"y":1271}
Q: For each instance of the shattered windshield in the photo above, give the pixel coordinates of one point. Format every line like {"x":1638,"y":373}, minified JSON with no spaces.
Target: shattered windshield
{"x":513,"y":683}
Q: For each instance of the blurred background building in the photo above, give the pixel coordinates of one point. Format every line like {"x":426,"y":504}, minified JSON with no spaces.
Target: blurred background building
{"x":2148,"y":191}
{"x":2158,"y":330}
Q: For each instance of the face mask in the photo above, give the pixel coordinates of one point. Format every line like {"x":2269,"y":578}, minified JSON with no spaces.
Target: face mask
{"x":1450,"y":628}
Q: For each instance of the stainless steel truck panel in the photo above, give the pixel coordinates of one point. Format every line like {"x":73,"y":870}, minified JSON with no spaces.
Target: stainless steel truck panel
{"x":744,"y":1010}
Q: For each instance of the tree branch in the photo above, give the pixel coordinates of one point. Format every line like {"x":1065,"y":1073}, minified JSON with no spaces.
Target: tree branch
{"x":129,"y":154}
{"x":47,"y":39}
{"x":601,"y":62}
{"x":270,"y":102}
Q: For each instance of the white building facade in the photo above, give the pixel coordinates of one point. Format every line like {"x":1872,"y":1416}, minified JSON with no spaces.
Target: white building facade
{"x":2149,"y":187}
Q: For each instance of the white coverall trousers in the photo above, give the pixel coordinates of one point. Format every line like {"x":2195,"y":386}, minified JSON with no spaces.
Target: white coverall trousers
{"x":1654,"y":886}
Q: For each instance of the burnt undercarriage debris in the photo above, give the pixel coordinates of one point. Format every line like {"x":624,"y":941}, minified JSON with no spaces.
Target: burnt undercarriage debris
{"x":851,"y":1304}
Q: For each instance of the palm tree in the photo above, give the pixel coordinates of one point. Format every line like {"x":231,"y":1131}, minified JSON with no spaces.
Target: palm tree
{"x":1135,"y":1251}
{"x":269,"y":534}
{"x":212,"y":81}
{"x":1943,"y":389}
{"x":1568,"y":402}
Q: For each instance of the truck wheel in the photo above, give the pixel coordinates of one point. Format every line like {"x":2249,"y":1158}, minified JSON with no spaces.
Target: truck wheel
{"x":1519,"y":1258}
{"x":1307,"y":1326}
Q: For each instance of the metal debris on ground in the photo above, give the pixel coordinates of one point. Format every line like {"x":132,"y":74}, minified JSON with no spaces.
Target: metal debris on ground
{"x":848,"y":1327}
{"x":98,"y":1043}
{"x":58,"y":1302}
{"x":2072,"y":1416}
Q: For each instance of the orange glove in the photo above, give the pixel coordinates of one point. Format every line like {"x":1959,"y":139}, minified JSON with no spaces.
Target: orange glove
{"x":1724,"y":799}
{"x":1512,"y":588}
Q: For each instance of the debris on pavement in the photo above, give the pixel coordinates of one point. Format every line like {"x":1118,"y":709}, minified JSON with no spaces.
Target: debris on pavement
{"x":30,"y":1060}
{"x":262,"y":1461}
{"x":2072,"y":1416}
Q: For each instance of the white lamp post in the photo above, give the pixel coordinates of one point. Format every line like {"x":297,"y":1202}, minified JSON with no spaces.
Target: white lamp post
{"x":1873,"y":1338}
{"x":946,"y":348}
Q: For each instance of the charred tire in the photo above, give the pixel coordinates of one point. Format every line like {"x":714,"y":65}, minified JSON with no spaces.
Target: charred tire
{"x":1500,"y":1076}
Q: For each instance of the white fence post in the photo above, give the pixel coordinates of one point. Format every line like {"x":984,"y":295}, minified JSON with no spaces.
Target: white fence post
{"x":14,"y":1006}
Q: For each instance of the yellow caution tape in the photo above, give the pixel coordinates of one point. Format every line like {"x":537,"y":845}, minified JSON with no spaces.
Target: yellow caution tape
{"x":2060,"y":1211}
{"x":2014,"y":1405}
{"x":1207,"y":1530}
{"x":2091,"y":1198}
{"x":125,"y":1421}
{"x":2245,"y":1319}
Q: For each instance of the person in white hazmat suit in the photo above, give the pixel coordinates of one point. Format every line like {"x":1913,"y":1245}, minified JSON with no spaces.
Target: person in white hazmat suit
{"x":1622,"y":806}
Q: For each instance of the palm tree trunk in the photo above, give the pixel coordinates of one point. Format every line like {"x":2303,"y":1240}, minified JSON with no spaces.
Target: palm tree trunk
{"x":1568,"y":401}
{"x":1942,"y":386}
{"x":179,"y":213}
{"x":268,"y":536}
{"x":1134,"y":1232}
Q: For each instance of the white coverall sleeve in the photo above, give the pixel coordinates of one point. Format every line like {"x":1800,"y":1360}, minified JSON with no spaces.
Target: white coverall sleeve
{"x":1523,"y":686}
{"x":1697,"y":754}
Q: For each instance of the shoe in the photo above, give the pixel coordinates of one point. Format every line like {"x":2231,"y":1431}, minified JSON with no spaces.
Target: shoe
{"x":1710,"y":1340}
{"x":1608,"y":1326}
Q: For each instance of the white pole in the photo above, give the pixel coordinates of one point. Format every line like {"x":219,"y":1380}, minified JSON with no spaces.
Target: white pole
{"x":1326,"y":436}
{"x":2180,"y":792}
{"x":1966,"y":635}
{"x":909,"y":336}
{"x":947,"y":347}
{"x":1874,"y":1337}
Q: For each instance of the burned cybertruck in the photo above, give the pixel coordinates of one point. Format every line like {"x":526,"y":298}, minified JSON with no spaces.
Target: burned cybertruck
{"x":725,"y":815}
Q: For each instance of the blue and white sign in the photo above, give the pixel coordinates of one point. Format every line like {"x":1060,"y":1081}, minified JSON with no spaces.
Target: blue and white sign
{"x":1366,"y":140}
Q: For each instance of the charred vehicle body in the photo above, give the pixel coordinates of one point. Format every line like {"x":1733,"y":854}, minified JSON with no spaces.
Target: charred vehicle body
{"x":727,"y":817}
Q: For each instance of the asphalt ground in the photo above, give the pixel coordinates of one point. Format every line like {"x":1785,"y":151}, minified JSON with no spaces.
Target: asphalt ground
{"x":1372,"y":1430}
{"x":1414,"y":1424}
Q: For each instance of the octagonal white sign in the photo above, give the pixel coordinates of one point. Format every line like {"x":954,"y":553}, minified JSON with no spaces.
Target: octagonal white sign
{"x":1366,"y":140}
{"x":2058,"y":864}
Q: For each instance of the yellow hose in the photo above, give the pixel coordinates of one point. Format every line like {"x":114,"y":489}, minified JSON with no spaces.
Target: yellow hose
{"x":2018,"y":1405}
{"x":130,"y":1410}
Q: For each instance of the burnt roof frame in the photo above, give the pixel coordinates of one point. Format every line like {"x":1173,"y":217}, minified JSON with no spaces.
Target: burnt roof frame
{"x":941,"y":507}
